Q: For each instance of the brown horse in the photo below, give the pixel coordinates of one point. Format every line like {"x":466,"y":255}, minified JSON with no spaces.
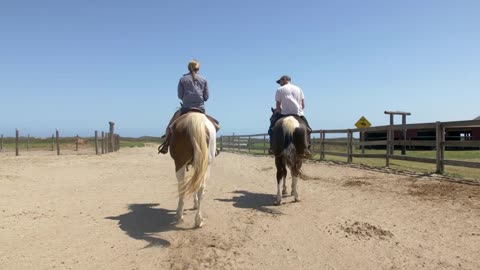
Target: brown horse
{"x":193,"y":143}
{"x":289,"y":142}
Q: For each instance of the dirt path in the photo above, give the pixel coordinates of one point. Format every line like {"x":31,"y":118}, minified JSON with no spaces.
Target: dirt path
{"x":116,"y":211}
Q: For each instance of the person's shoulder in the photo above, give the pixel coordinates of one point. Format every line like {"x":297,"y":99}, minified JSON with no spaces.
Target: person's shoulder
{"x":185,"y":77}
{"x":201,"y":77}
{"x":296,"y":87}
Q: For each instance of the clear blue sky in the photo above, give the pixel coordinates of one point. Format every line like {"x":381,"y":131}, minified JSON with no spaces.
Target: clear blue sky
{"x":75,"y":65}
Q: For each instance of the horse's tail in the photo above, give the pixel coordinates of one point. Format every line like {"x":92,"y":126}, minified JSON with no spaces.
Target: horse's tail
{"x":197,"y":131}
{"x":293,"y":160}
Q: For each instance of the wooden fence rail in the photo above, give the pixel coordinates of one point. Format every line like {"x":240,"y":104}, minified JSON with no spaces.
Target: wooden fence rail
{"x":108,"y":142}
{"x":258,"y":143}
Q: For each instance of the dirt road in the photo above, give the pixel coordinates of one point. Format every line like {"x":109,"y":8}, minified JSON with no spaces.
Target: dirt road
{"x":116,"y":211}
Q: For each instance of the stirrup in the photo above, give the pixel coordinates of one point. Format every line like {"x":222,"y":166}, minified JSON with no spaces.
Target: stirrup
{"x":307,"y":152}
{"x":163,"y":148}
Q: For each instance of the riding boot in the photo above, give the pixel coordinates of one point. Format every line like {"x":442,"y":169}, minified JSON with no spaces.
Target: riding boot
{"x":308,"y":151}
{"x":270,"y":150}
{"x":163,"y":148}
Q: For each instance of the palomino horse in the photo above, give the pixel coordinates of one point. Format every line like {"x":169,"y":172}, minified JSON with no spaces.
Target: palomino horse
{"x":289,"y":141}
{"x":193,"y":143}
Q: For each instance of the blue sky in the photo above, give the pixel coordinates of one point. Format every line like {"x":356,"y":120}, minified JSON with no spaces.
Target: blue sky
{"x":75,"y":65}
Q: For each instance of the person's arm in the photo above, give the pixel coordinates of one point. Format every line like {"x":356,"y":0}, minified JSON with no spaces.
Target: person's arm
{"x":181,"y":91}
{"x":206,"y":93}
{"x":278,"y":107}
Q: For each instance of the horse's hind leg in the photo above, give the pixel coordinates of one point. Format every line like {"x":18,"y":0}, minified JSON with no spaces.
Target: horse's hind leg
{"x":278,"y":201}
{"x":195,"y":198}
{"x":199,"y":197}
{"x":281,"y":177}
{"x":296,"y":173}
{"x":294,"y":188}
{"x":180,"y":178}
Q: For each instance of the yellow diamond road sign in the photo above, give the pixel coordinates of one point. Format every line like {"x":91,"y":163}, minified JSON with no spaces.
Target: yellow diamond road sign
{"x":362,"y":123}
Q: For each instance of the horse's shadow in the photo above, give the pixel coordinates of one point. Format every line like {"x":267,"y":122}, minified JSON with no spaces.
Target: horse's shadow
{"x":256,"y":201}
{"x":144,"y":220}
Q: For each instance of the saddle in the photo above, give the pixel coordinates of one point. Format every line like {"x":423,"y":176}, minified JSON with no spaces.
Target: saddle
{"x":277,"y":117}
{"x":214,"y":121}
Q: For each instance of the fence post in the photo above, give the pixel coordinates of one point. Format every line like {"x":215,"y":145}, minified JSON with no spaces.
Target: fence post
{"x":238,"y":143}
{"x":221,"y":143}
{"x":103,"y":142}
{"x":57,"y":139}
{"x":248,"y":143}
{"x":404,"y":133}
{"x":17,"y":134}
{"x":362,"y":140}
{"x":349,"y":146}
{"x":28,"y":142}
{"x":76,"y":143}
{"x":1,"y":144}
{"x":53,"y":142}
{"x":389,"y":139}
{"x":312,"y":144}
{"x":264,"y":144}
{"x":110,"y":136}
{"x":322,"y":145}
{"x":96,"y":142}
{"x":440,"y":146}
{"x":107,"y":142}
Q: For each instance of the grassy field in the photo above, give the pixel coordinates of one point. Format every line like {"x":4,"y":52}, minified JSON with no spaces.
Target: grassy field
{"x":34,"y":144}
{"x":257,"y":149}
{"x":454,"y":171}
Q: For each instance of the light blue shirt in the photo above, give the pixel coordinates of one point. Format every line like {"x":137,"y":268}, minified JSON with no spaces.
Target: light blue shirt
{"x":193,"y":93}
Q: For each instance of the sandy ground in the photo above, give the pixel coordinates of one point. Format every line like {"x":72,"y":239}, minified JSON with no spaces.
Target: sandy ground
{"x":116,"y":211}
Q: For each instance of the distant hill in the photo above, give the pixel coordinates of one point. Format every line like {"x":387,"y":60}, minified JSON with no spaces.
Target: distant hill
{"x":143,"y":139}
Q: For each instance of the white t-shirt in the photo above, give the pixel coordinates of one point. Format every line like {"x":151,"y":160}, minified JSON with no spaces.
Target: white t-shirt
{"x":290,"y":97}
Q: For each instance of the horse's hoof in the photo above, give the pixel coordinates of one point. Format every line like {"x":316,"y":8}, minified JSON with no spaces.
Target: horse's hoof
{"x":179,"y":219}
{"x":277,"y":203}
{"x":198,"y":223}
{"x":284,"y":192}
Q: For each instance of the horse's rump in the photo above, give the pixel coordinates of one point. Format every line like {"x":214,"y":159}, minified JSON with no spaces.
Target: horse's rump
{"x":287,"y":130}
{"x":289,"y":142}
{"x":190,"y":145}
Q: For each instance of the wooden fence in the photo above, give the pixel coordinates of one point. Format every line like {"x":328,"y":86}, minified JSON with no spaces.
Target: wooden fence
{"x":108,"y":142}
{"x":259,"y":144}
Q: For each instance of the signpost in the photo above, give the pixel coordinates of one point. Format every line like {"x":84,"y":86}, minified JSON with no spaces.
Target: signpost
{"x":362,"y":123}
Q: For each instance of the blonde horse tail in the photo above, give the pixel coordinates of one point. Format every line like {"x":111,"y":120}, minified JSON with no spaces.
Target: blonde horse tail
{"x":198,"y":137}
{"x":292,"y":159}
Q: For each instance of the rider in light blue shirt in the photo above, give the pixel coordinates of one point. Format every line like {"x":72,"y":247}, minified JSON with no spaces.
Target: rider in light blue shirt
{"x":193,"y":91}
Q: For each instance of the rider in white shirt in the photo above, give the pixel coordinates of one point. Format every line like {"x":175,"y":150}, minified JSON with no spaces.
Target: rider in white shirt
{"x":289,"y":101}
